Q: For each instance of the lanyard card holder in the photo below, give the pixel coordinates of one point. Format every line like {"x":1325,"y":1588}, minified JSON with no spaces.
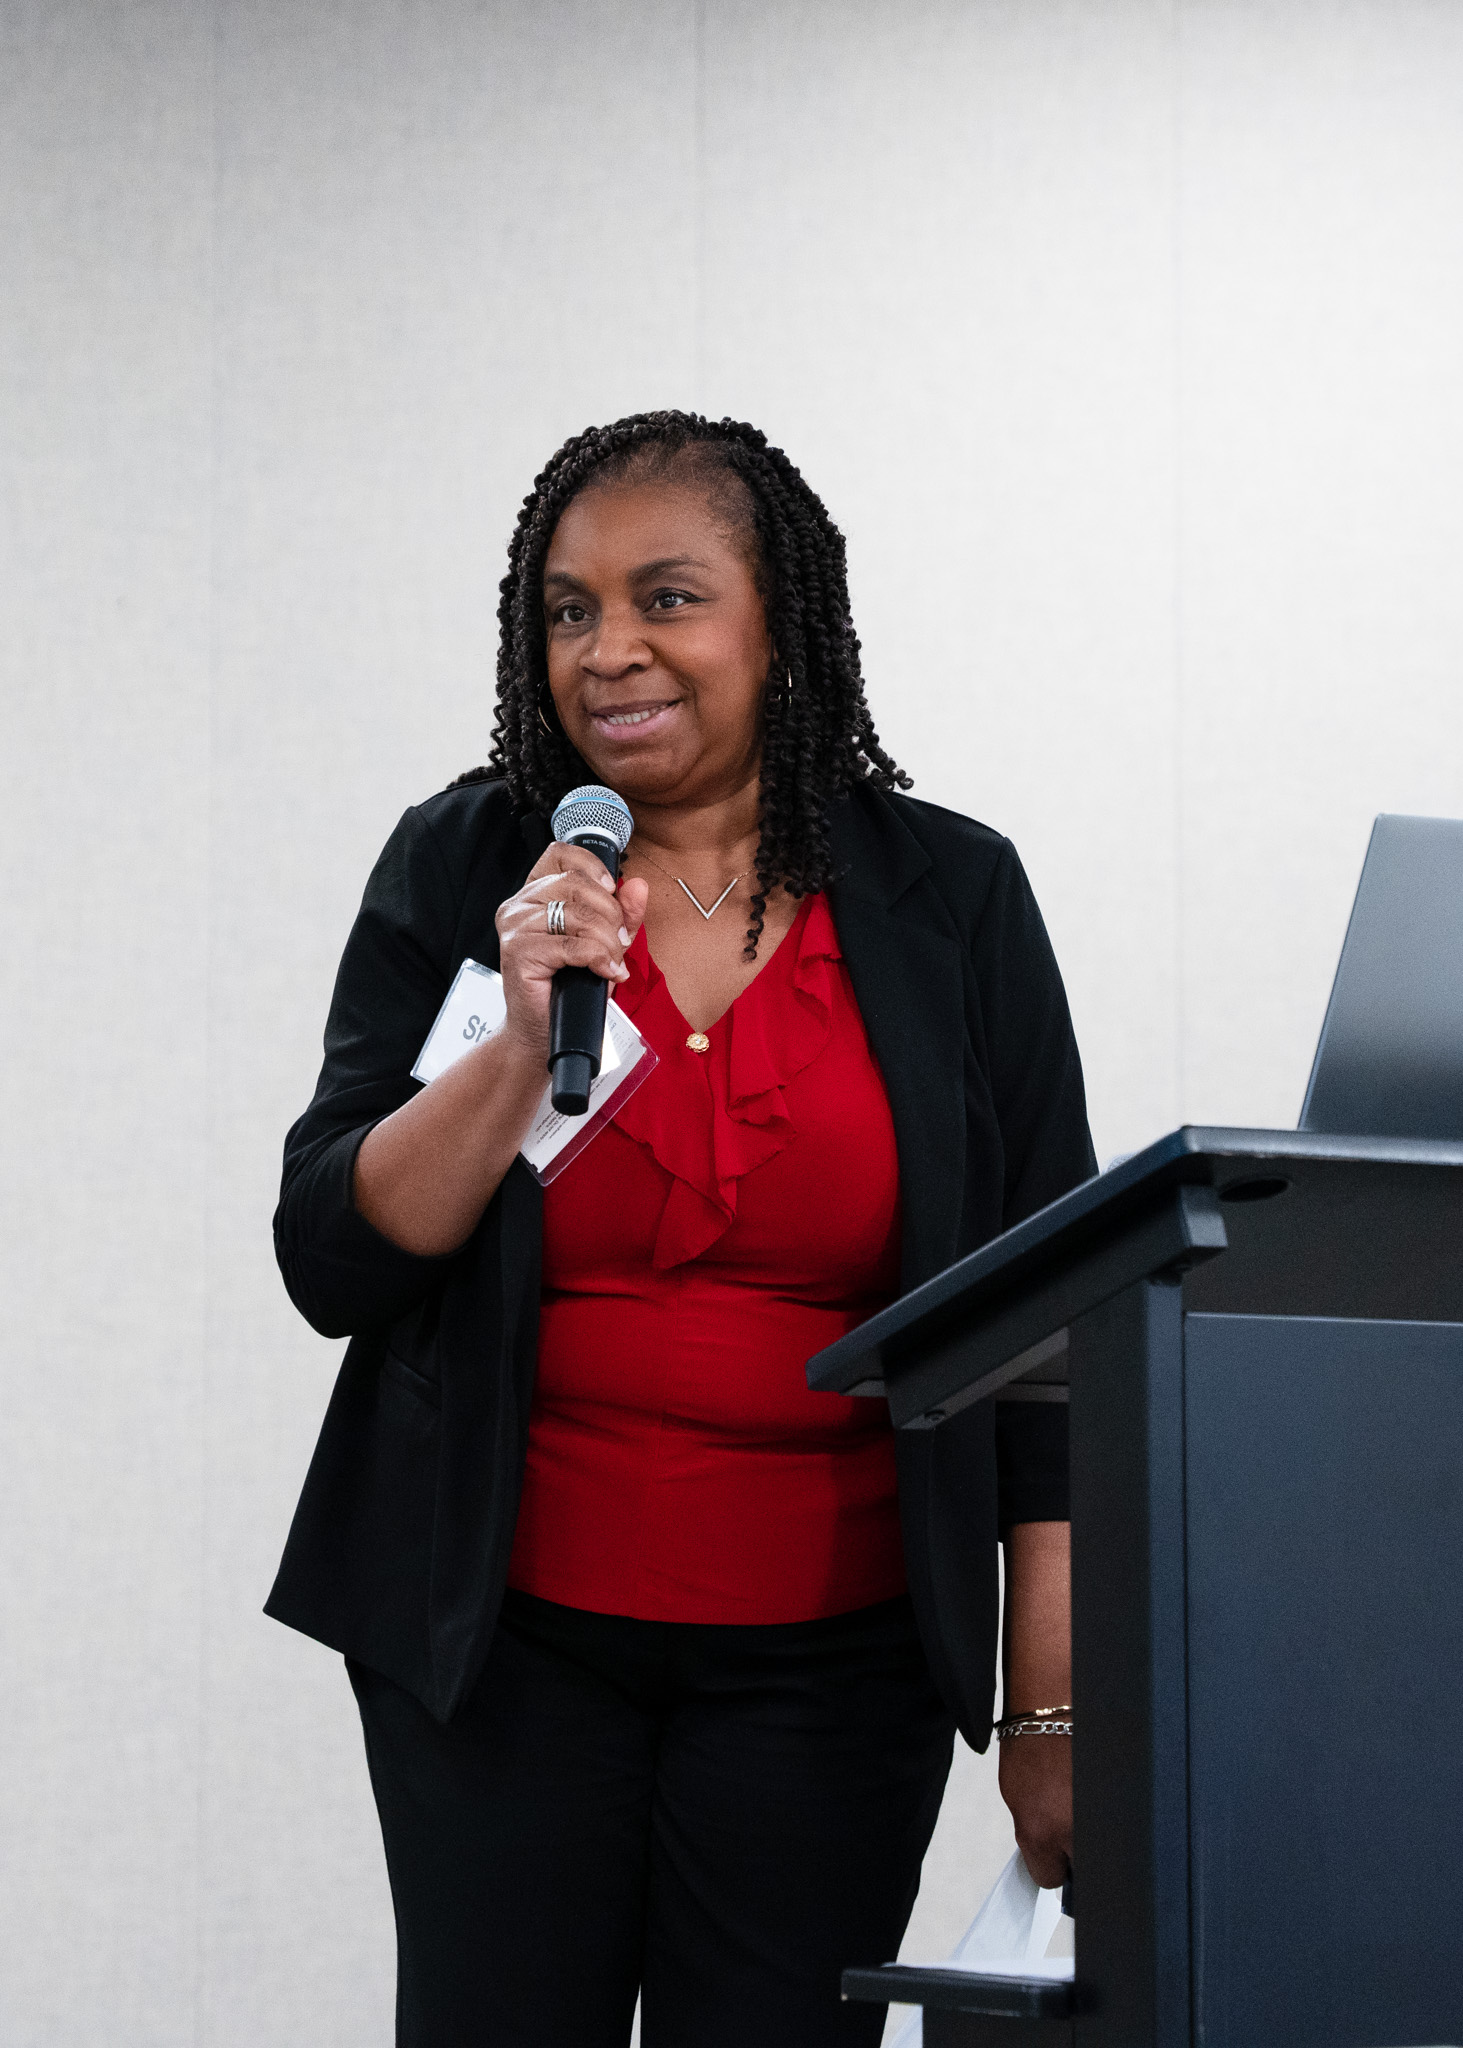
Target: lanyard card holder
{"x":475,"y":1008}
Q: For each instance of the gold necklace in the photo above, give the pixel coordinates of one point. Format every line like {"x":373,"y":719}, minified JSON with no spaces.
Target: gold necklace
{"x":707,"y":914}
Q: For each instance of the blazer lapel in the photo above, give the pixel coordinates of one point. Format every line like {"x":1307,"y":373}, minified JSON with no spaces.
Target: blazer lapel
{"x":908,"y":975}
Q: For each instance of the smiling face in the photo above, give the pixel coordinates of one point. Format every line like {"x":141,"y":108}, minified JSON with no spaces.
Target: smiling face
{"x":658,"y":649}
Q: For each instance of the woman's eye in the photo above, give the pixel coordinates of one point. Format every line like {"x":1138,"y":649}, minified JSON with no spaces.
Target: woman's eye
{"x":669,"y":600}
{"x":570,"y":615}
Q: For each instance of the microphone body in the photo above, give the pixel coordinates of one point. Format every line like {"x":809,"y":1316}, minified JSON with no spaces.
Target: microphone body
{"x":595,"y":818}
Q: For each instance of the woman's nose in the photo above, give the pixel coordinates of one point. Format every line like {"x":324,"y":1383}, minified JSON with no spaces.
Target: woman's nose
{"x":619,"y":647}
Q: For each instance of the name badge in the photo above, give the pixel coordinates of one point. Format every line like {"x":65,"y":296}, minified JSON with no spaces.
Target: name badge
{"x":476,"y":1008}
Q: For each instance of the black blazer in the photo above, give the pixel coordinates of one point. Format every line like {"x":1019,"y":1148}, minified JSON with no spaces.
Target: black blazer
{"x":399,"y":1548}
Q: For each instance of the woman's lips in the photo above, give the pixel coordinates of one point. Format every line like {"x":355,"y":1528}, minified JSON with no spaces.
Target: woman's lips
{"x":633,"y":721}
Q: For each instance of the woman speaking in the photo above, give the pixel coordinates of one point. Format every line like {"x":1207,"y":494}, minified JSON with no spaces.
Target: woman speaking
{"x":659,"y":1655}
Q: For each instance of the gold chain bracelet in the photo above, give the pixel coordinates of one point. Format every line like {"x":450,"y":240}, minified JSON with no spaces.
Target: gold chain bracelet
{"x":1036,"y":1721}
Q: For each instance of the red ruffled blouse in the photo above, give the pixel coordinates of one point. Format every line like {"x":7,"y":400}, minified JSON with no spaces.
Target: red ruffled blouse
{"x":739,"y":1212}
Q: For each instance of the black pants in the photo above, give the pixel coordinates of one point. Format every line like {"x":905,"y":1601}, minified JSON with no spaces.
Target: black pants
{"x":721,"y":1819}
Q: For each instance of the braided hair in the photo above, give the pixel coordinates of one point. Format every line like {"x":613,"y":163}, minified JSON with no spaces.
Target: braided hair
{"x":818,"y":735}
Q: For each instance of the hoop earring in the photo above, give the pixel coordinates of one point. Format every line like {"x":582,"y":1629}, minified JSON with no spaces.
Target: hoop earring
{"x":552,"y":731}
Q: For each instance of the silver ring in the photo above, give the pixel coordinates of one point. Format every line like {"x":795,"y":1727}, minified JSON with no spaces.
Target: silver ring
{"x":556,"y":919}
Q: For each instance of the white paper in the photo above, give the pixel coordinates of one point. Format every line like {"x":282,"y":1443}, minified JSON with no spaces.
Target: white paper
{"x":475,"y":1008}
{"x":1008,"y":1937}
{"x":1011,"y":1931}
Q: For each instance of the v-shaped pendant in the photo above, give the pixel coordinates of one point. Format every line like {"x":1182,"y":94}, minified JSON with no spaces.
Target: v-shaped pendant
{"x":709,"y":914}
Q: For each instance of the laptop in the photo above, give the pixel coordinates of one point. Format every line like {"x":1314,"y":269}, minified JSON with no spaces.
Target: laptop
{"x":1390,"y":1059}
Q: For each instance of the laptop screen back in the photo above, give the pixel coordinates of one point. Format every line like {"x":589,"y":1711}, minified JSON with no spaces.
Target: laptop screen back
{"x":1390,"y":1059}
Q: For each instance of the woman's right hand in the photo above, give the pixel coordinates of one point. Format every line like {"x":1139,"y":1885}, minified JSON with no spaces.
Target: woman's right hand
{"x":425,"y":1173}
{"x":598,"y":925}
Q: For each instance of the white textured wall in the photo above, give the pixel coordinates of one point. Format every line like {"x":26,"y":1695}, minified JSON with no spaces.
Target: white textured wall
{"x":1122,"y":337}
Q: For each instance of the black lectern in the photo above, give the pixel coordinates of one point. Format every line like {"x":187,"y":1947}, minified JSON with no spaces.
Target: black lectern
{"x":1262,"y":1336}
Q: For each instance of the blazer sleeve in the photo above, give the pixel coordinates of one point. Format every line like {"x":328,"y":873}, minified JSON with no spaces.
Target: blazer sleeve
{"x":1036,"y":1080}
{"x":341,"y":1273}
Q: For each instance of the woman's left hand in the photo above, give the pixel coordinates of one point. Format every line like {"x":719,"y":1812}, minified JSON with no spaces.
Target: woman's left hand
{"x":1036,"y":1770}
{"x":1036,"y":1783}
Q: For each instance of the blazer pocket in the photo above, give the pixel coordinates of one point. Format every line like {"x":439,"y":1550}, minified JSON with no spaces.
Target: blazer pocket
{"x":394,"y":1367}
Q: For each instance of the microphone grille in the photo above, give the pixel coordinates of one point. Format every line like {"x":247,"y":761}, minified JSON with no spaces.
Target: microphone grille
{"x":593,"y":808}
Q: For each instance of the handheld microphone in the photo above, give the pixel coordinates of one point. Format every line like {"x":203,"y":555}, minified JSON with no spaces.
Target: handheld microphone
{"x":594,"y":817}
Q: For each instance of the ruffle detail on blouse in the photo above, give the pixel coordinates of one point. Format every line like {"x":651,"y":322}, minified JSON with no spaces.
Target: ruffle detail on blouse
{"x":711,"y":1118}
